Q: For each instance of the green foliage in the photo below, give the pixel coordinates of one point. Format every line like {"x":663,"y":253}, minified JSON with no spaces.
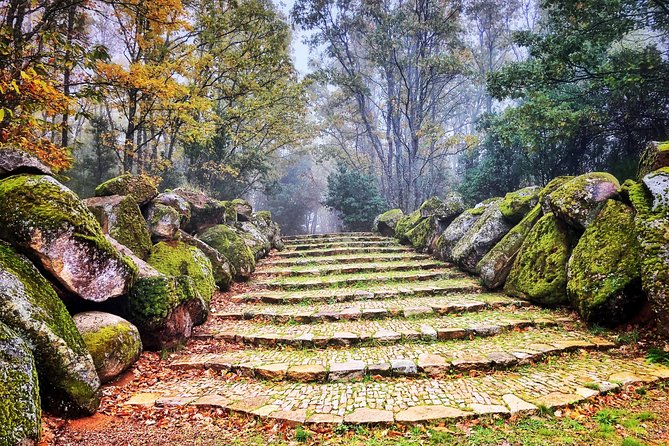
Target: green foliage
{"x":355,"y":196}
{"x":656,"y":355}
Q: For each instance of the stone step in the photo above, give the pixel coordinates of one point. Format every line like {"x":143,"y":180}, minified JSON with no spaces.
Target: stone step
{"x":350,"y":268}
{"x":524,"y":390}
{"x":336,"y":239}
{"x":328,"y":235}
{"x":373,"y":292}
{"x":337,"y":281}
{"x":343,"y":250}
{"x":377,"y":332}
{"x":436,"y":360}
{"x":343,"y":259}
{"x":370,"y":309}
{"x":341,"y":244}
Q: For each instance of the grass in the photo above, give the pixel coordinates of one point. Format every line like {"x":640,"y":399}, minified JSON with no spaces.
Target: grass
{"x":657,"y":356}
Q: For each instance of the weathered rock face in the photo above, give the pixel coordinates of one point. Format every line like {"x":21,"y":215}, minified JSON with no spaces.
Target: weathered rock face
{"x":220,"y":265}
{"x":120,"y":217}
{"x":444,"y":210}
{"x":113,"y":342}
{"x":226,"y":241}
{"x":254,"y":239}
{"x":30,"y":306}
{"x":163,"y":221}
{"x":456,"y":230}
{"x":20,"y":411}
{"x":551,"y":187}
{"x":657,"y":183}
{"x":141,"y":187}
{"x":405,"y":224}
{"x":604,"y":271}
{"x":421,"y":235}
{"x":515,"y":205}
{"x":494,"y":267}
{"x":176,"y":258}
{"x":579,"y":200}
{"x":481,"y":237}
{"x":385,"y":223}
{"x":173,"y":200}
{"x":654,"y":157}
{"x":205,"y":211}
{"x":45,"y":219}
{"x":243,"y":209}
{"x":539,"y":273}
{"x":652,"y":228}
{"x":15,"y":161}
{"x":269,"y":228}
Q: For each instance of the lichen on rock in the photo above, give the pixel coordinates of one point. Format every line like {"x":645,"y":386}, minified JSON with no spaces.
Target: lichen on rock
{"x":447,"y":240}
{"x":654,"y":157}
{"x":14,"y":161}
{"x":163,"y":221}
{"x":551,"y":187}
{"x":141,"y":187}
{"x":386,"y":223}
{"x":254,"y":238}
{"x":176,"y":202}
{"x":233,"y":247}
{"x":205,"y":211}
{"x":604,"y":271}
{"x":405,"y":224}
{"x":657,"y":183}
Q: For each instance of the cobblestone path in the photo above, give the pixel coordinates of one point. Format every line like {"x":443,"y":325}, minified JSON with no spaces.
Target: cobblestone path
{"x":356,"y":328}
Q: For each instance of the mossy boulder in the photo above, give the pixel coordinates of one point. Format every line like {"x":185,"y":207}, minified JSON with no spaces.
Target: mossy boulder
{"x":30,"y":306}
{"x":551,"y":187}
{"x":163,"y":221}
{"x":120,"y":217}
{"x":270,"y":229}
{"x":652,"y":229}
{"x":386,"y":223}
{"x":205,"y":211}
{"x":480,"y":238}
{"x":176,"y":202}
{"x":46,"y":220}
{"x":443,"y":209}
{"x":447,"y":240}
{"x":494,"y":267}
{"x":515,"y":205}
{"x":657,"y":183}
{"x":20,"y":411}
{"x":539,"y":273}
{"x":421,"y":235}
{"x":226,"y":241}
{"x":604,"y":271}
{"x":405,"y":224}
{"x":141,"y":187}
{"x":220,"y":266}
{"x":654,"y":157}
{"x":578,"y":201}
{"x":113,"y":342}
{"x":254,"y":238}
{"x":243,"y":209}
{"x":176,"y":258}
{"x":14,"y":161}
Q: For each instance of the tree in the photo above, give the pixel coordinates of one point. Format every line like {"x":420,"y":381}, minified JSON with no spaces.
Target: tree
{"x":355,"y":196}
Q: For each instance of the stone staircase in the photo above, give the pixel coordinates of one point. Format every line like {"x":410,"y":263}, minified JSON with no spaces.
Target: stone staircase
{"x":356,"y":328}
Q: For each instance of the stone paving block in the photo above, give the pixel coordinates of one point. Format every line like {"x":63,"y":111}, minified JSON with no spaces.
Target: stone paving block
{"x":344,"y":339}
{"x":428,"y":333}
{"x":417,"y":311}
{"x":174,"y":401}
{"x":471,"y":363}
{"x":386,"y":336}
{"x":349,"y":371}
{"x":488,"y":409}
{"x":403,"y":367}
{"x":144,"y":399}
{"x":486,"y":330}
{"x":272,"y":372}
{"x":381,"y":369}
{"x":433,"y":365}
{"x":248,"y":405}
{"x":421,"y":414}
{"x":374,"y":313}
{"x":369,"y":416}
{"x":502,"y":360}
{"x":219,"y":363}
{"x":211,"y":401}
{"x":447,"y":334}
{"x":291,"y":417}
{"x":307,"y":373}
{"x":324,"y":419}
{"x":558,"y":399}
{"x":517,"y":405}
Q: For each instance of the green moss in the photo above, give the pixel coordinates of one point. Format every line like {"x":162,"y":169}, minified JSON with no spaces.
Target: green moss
{"x":405,"y":224}
{"x":153,"y":299}
{"x":539,"y":273}
{"x":419,"y":236}
{"x":118,"y":340}
{"x":604,"y":270}
{"x":516,"y":205}
{"x":141,"y":187}
{"x":265,"y":216}
{"x":176,"y":258}
{"x":129,"y":228}
{"x":386,"y":223}
{"x":229,"y":211}
{"x":552,"y":186}
{"x":232,"y":246}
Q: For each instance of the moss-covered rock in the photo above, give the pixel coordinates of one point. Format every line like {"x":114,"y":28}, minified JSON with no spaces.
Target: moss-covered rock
{"x":113,"y":342}
{"x":20,"y":411}
{"x":120,"y":217}
{"x":163,"y":221}
{"x":604,"y":271}
{"x":539,"y":273}
{"x":654,"y":157}
{"x":578,"y":201}
{"x":141,"y":187}
{"x":480,"y":238}
{"x":405,"y":224}
{"x":494,"y":267}
{"x":226,"y":241}
{"x":30,"y":306}
{"x":551,"y":187}
{"x":447,"y":240}
{"x":177,"y":203}
{"x":47,"y":220}
{"x":515,"y":205}
{"x":444,"y":210}
{"x":205,"y":211}
{"x":254,"y":239}
{"x":270,"y":229}
{"x":177,"y":258}
{"x":221,"y":267}
{"x":657,"y":183}
{"x":652,"y":229}
{"x":386,"y":223}
{"x":421,"y":235}
{"x":14,"y":161}
{"x":243,"y":209}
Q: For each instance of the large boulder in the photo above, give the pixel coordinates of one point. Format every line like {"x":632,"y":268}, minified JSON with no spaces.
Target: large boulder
{"x":120,"y":217}
{"x":15,"y":161}
{"x":113,"y":342}
{"x":30,"y":306}
{"x":221,"y":268}
{"x":385,"y":223}
{"x":254,"y":238}
{"x":494,"y":267}
{"x":551,"y":187}
{"x":226,"y":241}
{"x":515,"y":205}
{"x":481,"y":237}
{"x":269,"y":228}
{"x":654,"y":157}
{"x":20,"y":411}
{"x":539,"y":273}
{"x":578,"y":201}
{"x":652,"y":229}
{"x":141,"y":187}
{"x":205,"y":211}
{"x":405,"y":224}
{"x":604,"y":271}
{"x":444,"y":244}
{"x":444,"y":210}
{"x":657,"y":183}
{"x":243,"y":209}
{"x":422,"y":235}
{"x":175,"y":201}
{"x":163,"y":221}
{"x":47,"y":220}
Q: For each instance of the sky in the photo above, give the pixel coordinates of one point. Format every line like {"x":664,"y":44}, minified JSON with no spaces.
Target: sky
{"x":300,"y":51}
